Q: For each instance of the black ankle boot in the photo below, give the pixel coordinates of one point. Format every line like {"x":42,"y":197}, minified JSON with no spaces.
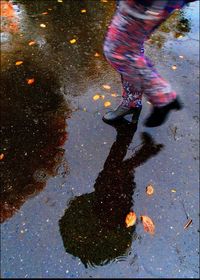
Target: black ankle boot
{"x":159,"y":114}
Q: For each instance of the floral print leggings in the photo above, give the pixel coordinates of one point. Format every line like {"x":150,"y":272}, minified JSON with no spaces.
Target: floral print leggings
{"x":132,"y":24}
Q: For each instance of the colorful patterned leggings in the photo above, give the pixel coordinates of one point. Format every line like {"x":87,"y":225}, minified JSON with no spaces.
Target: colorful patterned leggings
{"x":131,"y":25}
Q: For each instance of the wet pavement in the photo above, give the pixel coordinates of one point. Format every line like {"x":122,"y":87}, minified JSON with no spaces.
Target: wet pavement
{"x":69,"y":179}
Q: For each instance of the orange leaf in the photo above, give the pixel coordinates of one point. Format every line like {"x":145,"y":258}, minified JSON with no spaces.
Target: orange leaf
{"x":130,"y":219}
{"x":19,"y":62}
{"x":149,"y":189}
{"x":1,"y":156}
{"x":45,"y":13}
{"x":30,"y":81}
{"x":31,"y":43}
{"x":107,"y":104}
{"x":148,"y":224}
{"x":106,"y":87}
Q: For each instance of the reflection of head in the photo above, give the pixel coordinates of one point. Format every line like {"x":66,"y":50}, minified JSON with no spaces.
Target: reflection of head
{"x":33,"y":128}
{"x":93,"y":227}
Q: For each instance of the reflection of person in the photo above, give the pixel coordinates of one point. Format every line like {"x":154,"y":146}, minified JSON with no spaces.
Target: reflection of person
{"x":93,"y":227}
{"x":131,"y":26}
{"x":33,"y":125}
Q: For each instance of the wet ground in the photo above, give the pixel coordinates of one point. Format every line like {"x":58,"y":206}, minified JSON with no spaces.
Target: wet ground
{"x":69,"y":179}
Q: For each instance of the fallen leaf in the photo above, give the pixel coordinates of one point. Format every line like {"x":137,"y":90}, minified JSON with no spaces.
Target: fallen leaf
{"x":83,"y":11}
{"x":60,"y":1}
{"x":148,"y":224}
{"x":96,"y":54}
{"x":19,"y":62}
{"x":106,"y":87}
{"x":84,"y":109}
{"x":189,"y":222}
{"x":130,"y":219}
{"x":45,"y":13}
{"x":31,"y":43}
{"x":102,"y":96}
{"x":1,"y":156}
{"x":104,"y":1}
{"x":181,"y":56}
{"x":173,"y":190}
{"x":42,"y":25}
{"x":73,"y":41}
{"x":96,"y":97}
{"x":107,"y":104}
{"x":174,"y":67}
{"x":114,"y":94}
{"x":149,"y":189}
{"x":30,"y":81}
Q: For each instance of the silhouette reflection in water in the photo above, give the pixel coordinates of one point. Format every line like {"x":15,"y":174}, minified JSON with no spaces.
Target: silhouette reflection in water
{"x":93,"y":227}
{"x":33,"y":127}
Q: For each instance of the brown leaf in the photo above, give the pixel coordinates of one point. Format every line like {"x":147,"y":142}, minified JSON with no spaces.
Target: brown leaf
{"x":130,"y":219}
{"x":148,"y":224}
{"x":150,"y":189}
{"x":189,"y":222}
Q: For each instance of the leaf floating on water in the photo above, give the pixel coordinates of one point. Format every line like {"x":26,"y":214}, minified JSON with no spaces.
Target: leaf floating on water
{"x":106,"y":87}
{"x":102,"y":96}
{"x":96,"y":97}
{"x":30,"y":81}
{"x":96,"y":54}
{"x":174,"y":67}
{"x":72,"y":41}
{"x":83,"y":11}
{"x":181,"y":56}
{"x":148,"y":224}
{"x":31,"y":43}
{"x":130,"y":219}
{"x":19,"y":62}
{"x":149,"y":189}
{"x":189,"y":222}
{"x":1,"y":156}
{"x":42,"y":25}
{"x":107,"y":104}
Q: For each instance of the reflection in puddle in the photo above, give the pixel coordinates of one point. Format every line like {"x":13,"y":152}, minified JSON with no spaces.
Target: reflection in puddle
{"x":93,"y":227}
{"x":33,"y":130}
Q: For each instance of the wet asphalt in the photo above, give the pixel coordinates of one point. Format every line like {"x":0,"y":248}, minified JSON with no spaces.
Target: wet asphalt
{"x":69,"y":179}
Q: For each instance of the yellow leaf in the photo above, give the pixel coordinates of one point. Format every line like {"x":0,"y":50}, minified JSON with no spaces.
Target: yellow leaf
{"x":173,"y":190}
{"x":31,"y":43}
{"x":96,"y":54}
{"x":42,"y":25}
{"x":30,"y":81}
{"x":130,"y":219}
{"x":60,"y":1}
{"x":148,"y":224}
{"x":107,"y":104}
{"x":19,"y":62}
{"x":1,"y":156}
{"x":106,"y":87}
{"x":113,"y":94}
{"x":149,"y":189}
{"x":174,"y":67}
{"x":73,"y":41}
{"x":83,"y":11}
{"x":96,"y":97}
